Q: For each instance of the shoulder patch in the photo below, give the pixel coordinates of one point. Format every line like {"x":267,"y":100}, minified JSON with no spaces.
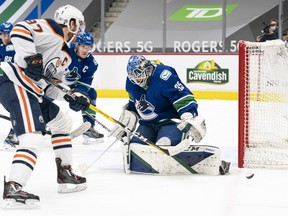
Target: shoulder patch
{"x":165,"y":74}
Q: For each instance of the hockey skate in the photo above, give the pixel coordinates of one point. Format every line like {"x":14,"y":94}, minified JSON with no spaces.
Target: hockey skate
{"x":224,"y":167}
{"x":92,"y":137}
{"x":68,"y":181}
{"x":15,"y":198}
{"x":11,"y":142}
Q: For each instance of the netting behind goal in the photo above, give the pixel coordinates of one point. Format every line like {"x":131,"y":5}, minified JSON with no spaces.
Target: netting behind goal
{"x":263,"y":104}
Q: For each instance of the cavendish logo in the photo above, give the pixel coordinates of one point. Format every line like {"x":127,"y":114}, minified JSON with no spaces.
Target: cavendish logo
{"x":208,"y":72}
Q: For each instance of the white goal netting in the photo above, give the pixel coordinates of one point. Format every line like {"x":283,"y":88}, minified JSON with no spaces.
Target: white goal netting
{"x":263,"y":104}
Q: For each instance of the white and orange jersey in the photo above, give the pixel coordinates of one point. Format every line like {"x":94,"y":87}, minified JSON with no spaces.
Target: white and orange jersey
{"x":30,"y":37}
{"x":43,"y":36}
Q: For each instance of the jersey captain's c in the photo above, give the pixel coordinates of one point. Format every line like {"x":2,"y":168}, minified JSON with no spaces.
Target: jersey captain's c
{"x":82,"y":70}
{"x":31,"y":37}
{"x":43,"y":36}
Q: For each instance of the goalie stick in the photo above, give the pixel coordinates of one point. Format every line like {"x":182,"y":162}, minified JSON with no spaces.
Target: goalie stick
{"x":77,"y":132}
{"x":69,"y":96}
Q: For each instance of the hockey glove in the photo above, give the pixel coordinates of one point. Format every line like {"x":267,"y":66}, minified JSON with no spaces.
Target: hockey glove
{"x":193,"y":126}
{"x":80,"y":102}
{"x":127,"y":118}
{"x":34,"y":68}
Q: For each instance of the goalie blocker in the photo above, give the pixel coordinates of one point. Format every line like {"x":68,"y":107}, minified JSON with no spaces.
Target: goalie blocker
{"x":196,"y":159}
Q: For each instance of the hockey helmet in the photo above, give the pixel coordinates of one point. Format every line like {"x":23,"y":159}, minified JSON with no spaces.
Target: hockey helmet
{"x":6,"y":27}
{"x":85,"y":38}
{"x":63,"y":15}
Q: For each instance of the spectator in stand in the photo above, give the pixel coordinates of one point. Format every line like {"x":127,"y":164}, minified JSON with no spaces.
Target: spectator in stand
{"x":270,"y":31}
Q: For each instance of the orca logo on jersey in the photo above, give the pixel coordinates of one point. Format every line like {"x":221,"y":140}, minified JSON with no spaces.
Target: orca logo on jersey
{"x":50,"y":68}
{"x":72,"y":76}
{"x":145,"y":109}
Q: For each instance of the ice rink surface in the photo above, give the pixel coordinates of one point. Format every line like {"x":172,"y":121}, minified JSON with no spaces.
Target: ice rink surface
{"x":111,"y":192}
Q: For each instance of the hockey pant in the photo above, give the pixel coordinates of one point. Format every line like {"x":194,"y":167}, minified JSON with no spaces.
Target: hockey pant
{"x":29,"y":118}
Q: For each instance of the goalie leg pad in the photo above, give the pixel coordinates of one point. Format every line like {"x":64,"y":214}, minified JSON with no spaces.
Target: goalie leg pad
{"x":195,"y":160}
{"x":126,"y":157}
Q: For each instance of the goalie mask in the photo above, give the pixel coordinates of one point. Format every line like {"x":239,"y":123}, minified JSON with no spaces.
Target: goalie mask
{"x":139,"y":70}
{"x":63,"y":15}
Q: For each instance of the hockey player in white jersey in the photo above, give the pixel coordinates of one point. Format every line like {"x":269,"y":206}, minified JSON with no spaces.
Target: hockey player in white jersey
{"x":40,"y":51}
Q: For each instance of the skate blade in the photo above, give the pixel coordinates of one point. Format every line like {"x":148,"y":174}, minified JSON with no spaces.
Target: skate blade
{"x":70,"y":188}
{"x":13,"y":204}
{"x":8,"y":148}
{"x":91,"y":141}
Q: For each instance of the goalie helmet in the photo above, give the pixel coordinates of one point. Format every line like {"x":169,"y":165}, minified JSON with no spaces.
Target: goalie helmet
{"x":63,"y":15}
{"x":6,"y":27}
{"x":139,"y":70}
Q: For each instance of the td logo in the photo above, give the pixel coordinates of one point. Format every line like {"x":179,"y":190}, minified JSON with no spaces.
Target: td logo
{"x":201,"y":12}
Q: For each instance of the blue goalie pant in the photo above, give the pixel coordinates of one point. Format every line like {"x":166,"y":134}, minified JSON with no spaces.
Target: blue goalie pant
{"x":196,"y":159}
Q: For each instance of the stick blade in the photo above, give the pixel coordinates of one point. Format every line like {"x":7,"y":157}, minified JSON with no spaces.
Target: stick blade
{"x":80,"y":130}
{"x":173,"y":150}
{"x":83,"y":167}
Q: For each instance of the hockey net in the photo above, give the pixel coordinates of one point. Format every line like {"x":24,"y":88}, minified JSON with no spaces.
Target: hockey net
{"x":263,"y":104}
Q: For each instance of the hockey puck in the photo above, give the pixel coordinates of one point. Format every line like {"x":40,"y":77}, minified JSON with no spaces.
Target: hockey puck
{"x":249,"y":175}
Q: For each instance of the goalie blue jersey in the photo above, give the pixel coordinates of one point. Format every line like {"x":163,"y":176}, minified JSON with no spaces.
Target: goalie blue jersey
{"x":81,"y":70}
{"x":165,"y":98}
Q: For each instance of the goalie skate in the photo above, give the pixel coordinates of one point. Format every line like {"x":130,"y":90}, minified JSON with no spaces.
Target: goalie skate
{"x":68,"y":181}
{"x":92,"y":136}
{"x":15,"y":198}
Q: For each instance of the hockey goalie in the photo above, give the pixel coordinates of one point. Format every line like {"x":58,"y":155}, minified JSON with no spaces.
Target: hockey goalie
{"x":166,"y":113}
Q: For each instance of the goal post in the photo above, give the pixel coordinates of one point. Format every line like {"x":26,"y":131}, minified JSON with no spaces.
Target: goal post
{"x":263,"y":104}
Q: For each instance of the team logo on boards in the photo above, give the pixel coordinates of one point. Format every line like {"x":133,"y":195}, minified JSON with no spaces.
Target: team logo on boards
{"x":201,"y":12}
{"x":208,"y":72}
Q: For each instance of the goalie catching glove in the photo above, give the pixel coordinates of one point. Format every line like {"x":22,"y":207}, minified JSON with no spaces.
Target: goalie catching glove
{"x":127,"y":118}
{"x":193,"y":126}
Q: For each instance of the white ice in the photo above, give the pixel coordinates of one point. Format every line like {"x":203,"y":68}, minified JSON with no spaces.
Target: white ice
{"x":111,"y":192}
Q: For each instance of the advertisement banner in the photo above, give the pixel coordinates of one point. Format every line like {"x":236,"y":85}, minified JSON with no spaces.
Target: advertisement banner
{"x":200,"y":73}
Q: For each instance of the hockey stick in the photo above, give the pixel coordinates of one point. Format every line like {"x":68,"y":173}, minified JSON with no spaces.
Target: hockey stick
{"x":77,"y":132}
{"x":70,"y":97}
{"x":80,"y":130}
{"x":5,"y":117}
{"x":84,"y":167}
{"x":98,"y":122}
